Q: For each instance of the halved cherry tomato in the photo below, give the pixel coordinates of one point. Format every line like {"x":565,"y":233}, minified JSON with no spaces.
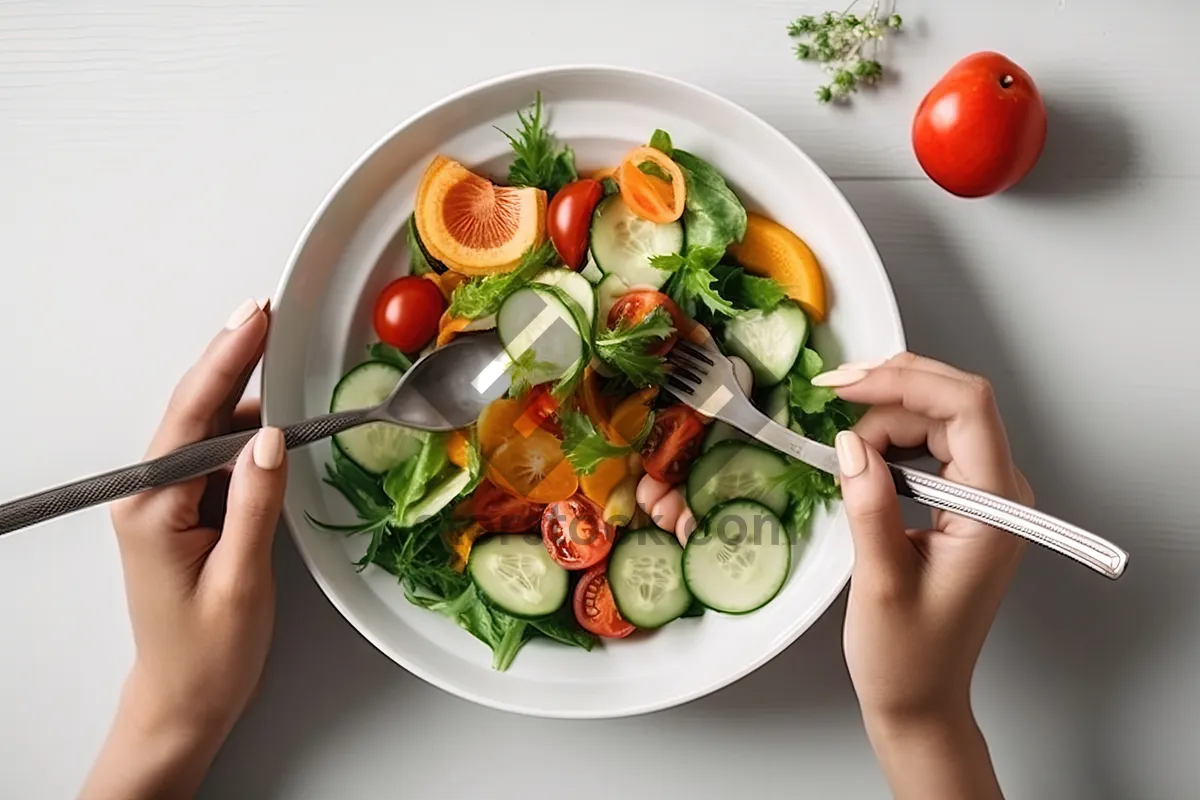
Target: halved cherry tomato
{"x":595,"y":608}
{"x":648,"y":195}
{"x":673,"y":443}
{"x":497,"y":511}
{"x":575,"y":533}
{"x":533,"y":467}
{"x":569,"y":219}
{"x":633,"y":307}
{"x":407,"y":313}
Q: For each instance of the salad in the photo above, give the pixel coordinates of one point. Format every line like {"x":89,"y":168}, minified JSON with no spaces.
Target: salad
{"x":588,"y":503}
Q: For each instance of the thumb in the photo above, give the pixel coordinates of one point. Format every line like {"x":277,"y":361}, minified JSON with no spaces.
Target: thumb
{"x":881,"y":548}
{"x":255,"y":499}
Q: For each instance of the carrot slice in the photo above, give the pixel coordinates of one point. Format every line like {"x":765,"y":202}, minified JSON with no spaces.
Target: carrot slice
{"x":648,"y":194}
{"x":460,"y":542}
{"x":456,"y":449}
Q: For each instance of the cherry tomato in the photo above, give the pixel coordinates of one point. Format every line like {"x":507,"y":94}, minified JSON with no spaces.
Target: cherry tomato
{"x":569,"y":219}
{"x":407,"y":313}
{"x":575,"y":533}
{"x":633,"y":307}
{"x":981,"y":128}
{"x":541,"y":411}
{"x":673,"y":443}
{"x":595,"y":608}
{"x":648,"y":194}
{"x":497,"y":511}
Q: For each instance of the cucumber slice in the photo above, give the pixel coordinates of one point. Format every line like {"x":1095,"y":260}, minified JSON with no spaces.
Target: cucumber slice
{"x":623,"y":243}
{"x":645,"y":571}
{"x":532,"y":318}
{"x":441,"y":495}
{"x":575,"y":285}
{"x":608,"y":292}
{"x":737,"y":471}
{"x":590,"y":271}
{"x":515,"y":572}
{"x":768,"y":341}
{"x":721,"y":432}
{"x":738,"y":558}
{"x":775,"y":404}
{"x":376,"y":446}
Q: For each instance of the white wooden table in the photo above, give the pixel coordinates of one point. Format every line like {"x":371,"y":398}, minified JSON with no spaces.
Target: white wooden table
{"x":158,"y":161}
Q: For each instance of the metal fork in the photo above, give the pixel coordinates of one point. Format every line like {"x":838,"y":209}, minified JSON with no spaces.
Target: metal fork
{"x":703,"y":379}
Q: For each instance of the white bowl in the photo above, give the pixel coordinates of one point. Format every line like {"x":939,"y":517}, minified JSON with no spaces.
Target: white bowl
{"x":322,"y":323}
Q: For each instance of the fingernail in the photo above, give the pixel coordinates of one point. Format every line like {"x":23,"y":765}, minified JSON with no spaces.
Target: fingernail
{"x":265,"y":303}
{"x":851,"y":454}
{"x":839,"y":377}
{"x":241,"y":315}
{"x":863,"y":365}
{"x":268,"y":448}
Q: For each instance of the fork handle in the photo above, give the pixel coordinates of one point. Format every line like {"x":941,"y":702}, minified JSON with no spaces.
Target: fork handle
{"x":931,"y":490}
{"x":1070,"y":540}
{"x":189,"y":461}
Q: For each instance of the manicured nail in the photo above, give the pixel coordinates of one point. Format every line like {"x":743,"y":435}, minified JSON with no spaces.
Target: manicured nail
{"x":863,"y":365}
{"x":851,"y":454}
{"x":268,"y":448}
{"x":264,"y":303}
{"x":839,"y":377}
{"x":241,"y":315}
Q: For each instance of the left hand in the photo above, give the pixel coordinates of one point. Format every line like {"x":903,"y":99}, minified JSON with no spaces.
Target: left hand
{"x":198,"y":580}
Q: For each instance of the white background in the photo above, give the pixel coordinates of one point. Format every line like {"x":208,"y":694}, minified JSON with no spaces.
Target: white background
{"x":158,"y":160}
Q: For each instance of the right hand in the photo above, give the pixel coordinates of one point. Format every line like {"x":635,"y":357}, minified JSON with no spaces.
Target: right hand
{"x":922,"y":601}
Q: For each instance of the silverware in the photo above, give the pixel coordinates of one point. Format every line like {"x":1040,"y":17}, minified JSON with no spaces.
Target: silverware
{"x":703,"y":379}
{"x":446,"y":389}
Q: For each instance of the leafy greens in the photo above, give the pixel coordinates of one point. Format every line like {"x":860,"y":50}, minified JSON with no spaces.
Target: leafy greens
{"x":585,"y":447}
{"x":626,"y":348}
{"x":537,"y":161}
{"x":691,"y":284}
{"x":712,"y":214}
{"x":482,"y":296}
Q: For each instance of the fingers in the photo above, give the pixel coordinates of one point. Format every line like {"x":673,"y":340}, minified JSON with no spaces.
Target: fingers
{"x":213,"y":383}
{"x":255,"y":499}
{"x":895,"y":426}
{"x":884,"y":556}
{"x":975,"y":440}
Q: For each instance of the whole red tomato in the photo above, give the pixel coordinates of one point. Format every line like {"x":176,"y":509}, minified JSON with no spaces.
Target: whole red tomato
{"x":407,"y":313}
{"x":981,"y":128}
{"x":569,"y":219}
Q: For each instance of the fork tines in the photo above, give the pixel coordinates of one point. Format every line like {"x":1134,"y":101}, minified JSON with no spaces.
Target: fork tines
{"x":686,"y":361}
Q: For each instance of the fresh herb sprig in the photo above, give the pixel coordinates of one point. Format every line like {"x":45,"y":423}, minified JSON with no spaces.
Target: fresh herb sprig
{"x":537,"y":160}
{"x":626,"y":348}
{"x":585,"y":447}
{"x":482,"y":296}
{"x":846,"y":45}
{"x":691,"y":284}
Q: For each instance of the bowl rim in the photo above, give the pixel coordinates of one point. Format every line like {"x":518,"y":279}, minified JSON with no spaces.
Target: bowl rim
{"x":780,"y":643}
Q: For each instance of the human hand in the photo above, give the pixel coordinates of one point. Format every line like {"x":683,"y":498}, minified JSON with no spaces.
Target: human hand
{"x":922,"y":601}
{"x":198,"y":580}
